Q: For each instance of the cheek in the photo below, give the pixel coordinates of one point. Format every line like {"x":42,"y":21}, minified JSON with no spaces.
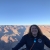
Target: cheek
{"x":37,"y":31}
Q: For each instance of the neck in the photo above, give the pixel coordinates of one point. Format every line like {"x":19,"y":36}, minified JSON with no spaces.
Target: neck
{"x":35,"y":36}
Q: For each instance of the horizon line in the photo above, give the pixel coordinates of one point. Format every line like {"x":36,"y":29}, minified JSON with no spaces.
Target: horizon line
{"x":24,"y":24}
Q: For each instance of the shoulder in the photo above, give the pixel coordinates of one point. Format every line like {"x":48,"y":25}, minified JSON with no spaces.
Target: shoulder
{"x":25,"y":36}
{"x":45,"y":37}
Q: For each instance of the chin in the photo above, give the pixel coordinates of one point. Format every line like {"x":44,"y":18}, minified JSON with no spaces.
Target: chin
{"x":35,"y":35}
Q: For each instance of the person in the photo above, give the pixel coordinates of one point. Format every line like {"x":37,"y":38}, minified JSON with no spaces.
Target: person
{"x":34,"y":40}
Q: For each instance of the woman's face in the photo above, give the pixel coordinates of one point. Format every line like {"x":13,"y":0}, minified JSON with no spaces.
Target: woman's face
{"x":34,"y":31}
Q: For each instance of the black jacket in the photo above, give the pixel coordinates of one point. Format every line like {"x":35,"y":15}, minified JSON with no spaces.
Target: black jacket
{"x":39,"y":45}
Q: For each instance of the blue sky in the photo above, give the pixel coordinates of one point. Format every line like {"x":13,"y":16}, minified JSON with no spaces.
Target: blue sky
{"x":24,"y":12}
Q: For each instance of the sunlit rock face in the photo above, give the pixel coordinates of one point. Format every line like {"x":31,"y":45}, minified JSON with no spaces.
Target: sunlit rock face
{"x":10,"y":35}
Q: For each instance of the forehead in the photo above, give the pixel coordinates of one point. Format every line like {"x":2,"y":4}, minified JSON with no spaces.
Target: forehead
{"x":33,"y":27}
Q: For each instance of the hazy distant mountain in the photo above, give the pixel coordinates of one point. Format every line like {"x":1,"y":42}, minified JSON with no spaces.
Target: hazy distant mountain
{"x":10,"y":35}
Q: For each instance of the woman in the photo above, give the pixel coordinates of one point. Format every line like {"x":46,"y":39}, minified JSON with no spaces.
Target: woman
{"x":34,"y":40}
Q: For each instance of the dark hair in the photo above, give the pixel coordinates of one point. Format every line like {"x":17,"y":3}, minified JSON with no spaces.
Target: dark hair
{"x":39,"y":34}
